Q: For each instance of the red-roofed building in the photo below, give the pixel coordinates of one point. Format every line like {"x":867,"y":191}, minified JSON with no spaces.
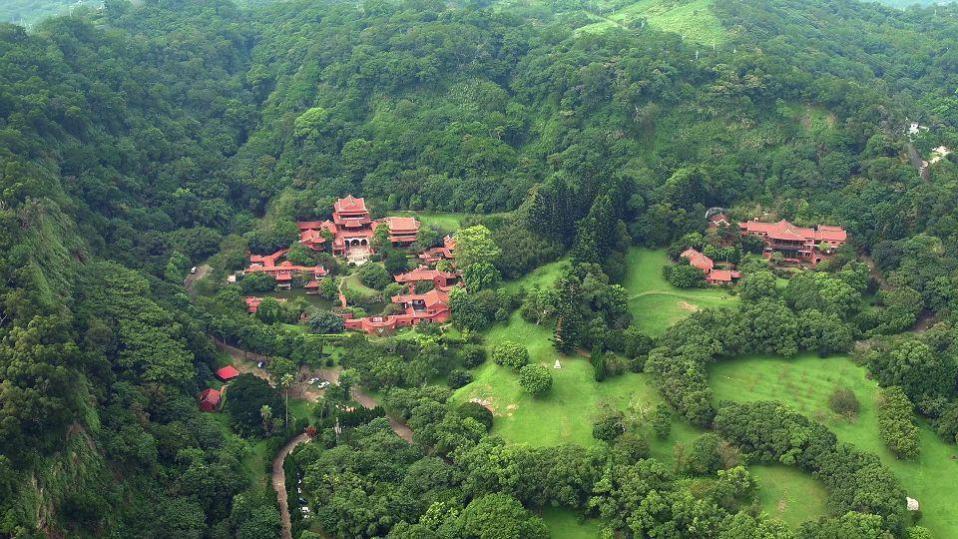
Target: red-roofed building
{"x":718,"y":220}
{"x":706,"y":265}
{"x":797,"y":244}
{"x":283,"y":271}
{"x":440,"y":279}
{"x":698,"y":260}
{"x":433,"y":255}
{"x":227,"y":373}
{"x":352,"y":230}
{"x":403,"y":231}
{"x":252,"y":304}
{"x":722,"y":276}
{"x":433,"y":306}
{"x":209,"y":400}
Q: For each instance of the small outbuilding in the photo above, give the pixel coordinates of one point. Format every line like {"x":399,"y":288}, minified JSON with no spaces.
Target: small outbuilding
{"x":209,"y":400}
{"x":227,"y":373}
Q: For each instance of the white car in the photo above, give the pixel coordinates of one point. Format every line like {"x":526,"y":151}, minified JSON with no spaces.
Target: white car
{"x":193,"y":270}
{"x":323,"y":385}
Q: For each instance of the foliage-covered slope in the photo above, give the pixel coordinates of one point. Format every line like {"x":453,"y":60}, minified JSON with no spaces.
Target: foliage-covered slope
{"x":150,"y":136}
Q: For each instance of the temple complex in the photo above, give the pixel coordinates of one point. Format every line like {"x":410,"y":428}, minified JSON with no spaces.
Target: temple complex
{"x":350,"y":232}
{"x":797,"y":244}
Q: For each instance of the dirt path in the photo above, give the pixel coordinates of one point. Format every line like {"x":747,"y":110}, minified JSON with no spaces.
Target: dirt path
{"x":279,"y":482}
{"x":246,"y":363}
{"x":367,"y":401}
{"x":201,"y":271}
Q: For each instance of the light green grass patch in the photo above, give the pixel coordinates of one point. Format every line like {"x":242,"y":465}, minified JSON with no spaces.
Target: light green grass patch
{"x":445,"y":222}
{"x":694,"y":20}
{"x":788,"y":494}
{"x":814,"y":120}
{"x":566,"y":524}
{"x":544,"y":277}
{"x":566,"y":414}
{"x":806,"y":382}
{"x":656,"y":304}
{"x":353,"y":283}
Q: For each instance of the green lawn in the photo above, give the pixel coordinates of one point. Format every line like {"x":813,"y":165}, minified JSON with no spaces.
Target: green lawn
{"x":807,"y":381}
{"x":788,"y":494}
{"x":567,"y":413}
{"x":655,"y":303}
{"x":543,"y":277}
{"x":694,"y":20}
{"x":353,"y":283}
{"x":565,"y":524}
{"x":445,"y":222}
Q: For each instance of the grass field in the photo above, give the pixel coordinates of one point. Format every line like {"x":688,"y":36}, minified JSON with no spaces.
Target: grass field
{"x":543,"y":277}
{"x":694,"y":20}
{"x":445,"y":222}
{"x":806,"y":383}
{"x":567,"y":413}
{"x":565,"y":524}
{"x":655,"y":303}
{"x":353,"y":283}
{"x":788,"y":494}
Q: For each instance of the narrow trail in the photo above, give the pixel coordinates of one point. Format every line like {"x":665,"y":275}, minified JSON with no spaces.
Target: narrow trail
{"x":279,"y":482}
{"x":192,"y":278}
{"x":246,"y":363}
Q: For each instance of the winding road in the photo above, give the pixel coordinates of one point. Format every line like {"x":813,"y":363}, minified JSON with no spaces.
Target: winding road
{"x":246,"y":362}
{"x":279,"y":482}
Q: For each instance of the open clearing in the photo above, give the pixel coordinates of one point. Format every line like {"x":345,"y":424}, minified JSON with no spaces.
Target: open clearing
{"x":806,"y":383}
{"x":656,"y":304}
{"x":694,"y":20}
{"x":788,"y":494}
{"x":566,"y":414}
{"x":565,"y":524}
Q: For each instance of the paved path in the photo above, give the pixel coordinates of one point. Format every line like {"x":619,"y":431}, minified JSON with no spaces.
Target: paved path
{"x":245,"y":362}
{"x":279,"y":482}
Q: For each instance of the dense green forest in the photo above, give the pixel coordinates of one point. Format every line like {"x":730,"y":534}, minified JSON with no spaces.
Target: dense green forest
{"x":137,"y":141}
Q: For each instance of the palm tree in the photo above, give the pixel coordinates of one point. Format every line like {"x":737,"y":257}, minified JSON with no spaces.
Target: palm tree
{"x":286,"y":382}
{"x":267,"y":414}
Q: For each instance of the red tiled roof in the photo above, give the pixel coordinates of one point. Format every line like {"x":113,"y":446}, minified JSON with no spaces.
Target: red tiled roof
{"x":430,"y":299}
{"x":698,"y":260}
{"x":784,"y":230}
{"x":723,"y":276}
{"x":350,"y":204}
{"x":831,"y":233}
{"x":718,"y":218}
{"x":423,"y":273}
{"x":227,"y":373}
{"x":209,"y":399}
{"x":310,"y":225}
{"x":398,"y":225}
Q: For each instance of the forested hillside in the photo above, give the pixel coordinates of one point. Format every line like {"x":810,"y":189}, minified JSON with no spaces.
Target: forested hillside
{"x":139,"y":141}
